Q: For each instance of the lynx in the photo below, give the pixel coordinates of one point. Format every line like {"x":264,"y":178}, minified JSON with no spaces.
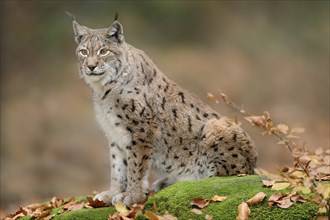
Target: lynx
{"x":151,"y":122}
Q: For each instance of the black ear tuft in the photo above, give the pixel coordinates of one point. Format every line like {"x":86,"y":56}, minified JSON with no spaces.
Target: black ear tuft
{"x":70,"y":15}
{"x":116,"y":16}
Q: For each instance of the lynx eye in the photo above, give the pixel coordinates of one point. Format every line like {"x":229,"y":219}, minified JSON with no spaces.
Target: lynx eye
{"x":83,"y":52}
{"x":104,"y":52}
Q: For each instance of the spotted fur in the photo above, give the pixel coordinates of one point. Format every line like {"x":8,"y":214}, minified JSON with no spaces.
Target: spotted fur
{"x":149,"y":120}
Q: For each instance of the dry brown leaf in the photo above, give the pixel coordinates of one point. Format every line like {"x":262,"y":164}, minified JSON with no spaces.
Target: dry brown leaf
{"x":274,"y":198}
{"x":200,"y":202}
{"x":319,"y":151}
{"x":121,"y":207}
{"x":280,"y":186}
{"x":136,"y":209}
{"x":284,"y":203}
{"x":197,"y":211}
{"x":323,"y":170}
{"x":208,"y":217}
{"x":150,"y":215}
{"x":96,"y":203}
{"x":154,"y":206}
{"x":167,"y":217}
{"x":243,"y":211}
{"x":19,"y":213}
{"x":256,"y":199}
{"x":217,"y":198}
{"x":298,"y":198}
{"x":268,"y":183}
{"x":49,"y":217}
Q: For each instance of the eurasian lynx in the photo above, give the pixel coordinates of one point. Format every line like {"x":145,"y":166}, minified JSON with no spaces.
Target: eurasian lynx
{"x":149,"y":120}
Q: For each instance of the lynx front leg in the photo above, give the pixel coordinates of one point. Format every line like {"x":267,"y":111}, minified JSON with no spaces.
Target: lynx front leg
{"x":118,"y":182}
{"x":138,"y":160}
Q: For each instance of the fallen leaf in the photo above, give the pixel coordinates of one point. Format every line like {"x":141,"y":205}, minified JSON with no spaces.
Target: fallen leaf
{"x":167,"y":217}
{"x":200,"y":202}
{"x":323,"y":170}
{"x":208,"y":217}
{"x":150,"y":215}
{"x":136,"y":209}
{"x":285,"y":203}
{"x":197,"y":211}
{"x":121,"y":207}
{"x":304,"y":159}
{"x":217,"y":198}
{"x":322,"y":210}
{"x":319,"y":151}
{"x":268,"y":183}
{"x":324,"y":190}
{"x":154,"y":206}
{"x":305,"y":190}
{"x":49,"y":217}
{"x":298,"y":198}
{"x":280,"y":186}
{"x":243,"y":211}
{"x":256,"y":199}
{"x":274,"y":198}
{"x":96,"y":203}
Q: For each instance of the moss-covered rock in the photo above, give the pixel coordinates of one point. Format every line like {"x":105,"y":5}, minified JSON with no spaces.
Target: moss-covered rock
{"x":176,"y":200}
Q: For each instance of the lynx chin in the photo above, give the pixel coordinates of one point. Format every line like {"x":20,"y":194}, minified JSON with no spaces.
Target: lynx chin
{"x":150,"y":121}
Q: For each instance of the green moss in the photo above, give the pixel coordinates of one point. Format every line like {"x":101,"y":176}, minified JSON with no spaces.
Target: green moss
{"x":87,"y":214}
{"x":176,"y":199}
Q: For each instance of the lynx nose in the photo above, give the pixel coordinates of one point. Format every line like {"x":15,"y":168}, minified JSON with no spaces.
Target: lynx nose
{"x":91,"y":67}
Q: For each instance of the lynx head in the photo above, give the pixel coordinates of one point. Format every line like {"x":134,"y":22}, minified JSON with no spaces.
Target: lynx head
{"x":100,"y":52}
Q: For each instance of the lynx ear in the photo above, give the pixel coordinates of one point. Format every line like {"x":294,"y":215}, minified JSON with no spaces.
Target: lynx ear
{"x":115,"y":32}
{"x":79,"y":31}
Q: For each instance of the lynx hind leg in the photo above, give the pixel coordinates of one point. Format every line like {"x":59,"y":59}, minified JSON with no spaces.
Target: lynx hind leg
{"x":162,"y":183}
{"x":231,"y":149}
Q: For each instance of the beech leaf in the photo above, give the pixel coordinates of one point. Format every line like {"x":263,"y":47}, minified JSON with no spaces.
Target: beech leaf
{"x":256,"y":199}
{"x":280,"y":186}
{"x":243,"y":211}
{"x":121,"y":207}
{"x":298,"y":198}
{"x":95,"y":203}
{"x":217,"y":198}
{"x":150,"y":215}
{"x":200,"y":202}
{"x":208,"y":217}
{"x":285,"y":203}
{"x":197,"y":211}
{"x":268,"y":183}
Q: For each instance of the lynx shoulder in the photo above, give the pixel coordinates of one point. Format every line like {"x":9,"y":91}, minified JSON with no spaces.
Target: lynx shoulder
{"x":150,"y":121}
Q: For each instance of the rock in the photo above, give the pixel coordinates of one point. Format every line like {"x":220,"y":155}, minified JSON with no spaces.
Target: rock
{"x":176,"y":200}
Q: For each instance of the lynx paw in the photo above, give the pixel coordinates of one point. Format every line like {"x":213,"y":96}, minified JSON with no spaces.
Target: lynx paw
{"x":105,"y":196}
{"x":129,"y":198}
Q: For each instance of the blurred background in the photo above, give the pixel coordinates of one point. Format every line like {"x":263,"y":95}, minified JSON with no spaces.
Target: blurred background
{"x":264,"y":55}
